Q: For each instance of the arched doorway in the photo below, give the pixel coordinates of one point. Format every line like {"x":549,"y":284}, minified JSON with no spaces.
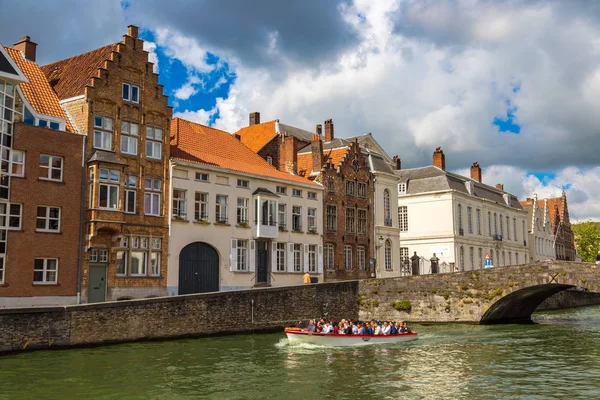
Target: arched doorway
{"x":198,"y":269}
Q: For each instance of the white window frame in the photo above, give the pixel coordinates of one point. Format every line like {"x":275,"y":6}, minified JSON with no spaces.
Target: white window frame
{"x":281,"y":261}
{"x":312,"y":195}
{"x":8,"y":216}
{"x":154,"y":142}
{"x":296,"y":218}
{"x":312,"y":258}
{"x":46,"y":218}
{"x":281,"y":190}
{"x":242,"y":213}
{"x":104,"y":130}
{"x":130,"y":137}
{"x":388,"y":255}
{"x":329,"y":256}
{"x":350,"y":220}
{"x":242,"y":259}
{"x":282,"y":215}
{"x":152,"y":192}
{"x":403,"y":218}
{"x":361,"y":260}
{"x":128,"y":91}
{"x":144,"y":262}
{"x":200,"y":206}
{"x":201,"y":177}
{"x":130,"y":190}
{"x":296,"y":192}
{"x":179,"y":204}
{"x":311,"y":219}
{"x":242,"y":183}
{"x":16,"y":163}
{"x":111,"y":183}
{"x":221,"y":212}
{"x":361,"y":218}
{"x":361,"y":190}
{"x":402,"y":188}
{"x":298,"y":259}
{"x":347,"y":257}
{"x":45,"y":271}
{"x":349,"y":188}
{"x":50,"y":168}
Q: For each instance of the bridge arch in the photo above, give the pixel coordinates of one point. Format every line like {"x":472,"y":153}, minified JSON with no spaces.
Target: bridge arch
{"x":517,"y":307}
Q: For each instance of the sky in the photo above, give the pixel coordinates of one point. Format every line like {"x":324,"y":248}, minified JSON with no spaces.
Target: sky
{"x":511,"y":84}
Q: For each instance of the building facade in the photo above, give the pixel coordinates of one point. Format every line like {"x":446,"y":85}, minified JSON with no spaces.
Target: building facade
{"x":540,"y":232}
{"x":40,"y":187}
{"x":113,"y":97}
{"x":564,"y":244}
{"x":457,"y":219}
{"x":237,"y":222}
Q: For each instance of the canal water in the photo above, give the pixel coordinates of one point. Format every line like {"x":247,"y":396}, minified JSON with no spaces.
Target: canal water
{"x":555,"y":359}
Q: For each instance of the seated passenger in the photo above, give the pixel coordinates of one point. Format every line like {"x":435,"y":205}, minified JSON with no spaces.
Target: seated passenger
{"x":361,"y":329}
{"x":311,"y":326}
{"x":401,"y":329}
{"x":393,"y":329}
{"x":377,"y":330}
{"x":406,"y":328}
{"x":370,"y":328}
{"x":385,"y":330}
{"x":335,"y":328}
{"x":354,"y":328}
{"x":327,"y":328}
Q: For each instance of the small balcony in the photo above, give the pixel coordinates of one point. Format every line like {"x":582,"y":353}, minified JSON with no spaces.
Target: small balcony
{"x":267,"y":229}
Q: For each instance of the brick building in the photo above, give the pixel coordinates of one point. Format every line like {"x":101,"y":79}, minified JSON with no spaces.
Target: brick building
{"x":113,"y":97}
{"x":564,"y":245}
{"x":40,"y":187}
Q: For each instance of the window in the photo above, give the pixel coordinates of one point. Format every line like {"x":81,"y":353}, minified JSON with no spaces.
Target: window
{"x":130,"y":194}
{"x":508,"y":227}
{"x":138,"y":263}
{"x":280,"y":264}
{"x":103,"y":127}
{"x":131,"y":93}
{"x":362,"y":190}
{"x":281,"y":189}
{"x":459,"y":219}
{"x":349,"y":220}
{"x":98,"y":255}
{"x":515,"y":229}
{"x":388,"y":255}
{"x":179,"y":204}
{"x":524,"y":231}
{"x":137,"y":253}
{"x":312,"y":220}
{"x":13,"y":215}
{"x":221,"y":208}
{"x":480,"y":258}
{"x":329,"y":256}
{"x":361,"y":258}
{"x":362,"y":221}
{"x":297,"y":192}
{"x":45,"y":270}
{"x":2,"y":256}
{"x":478,"y":212}
{"x":509,"y":258}
{"x":129,"y":138}
{"x":51,"y":168}
{"x":517,"y":258}
{"x":312,"y":195}
{"x":503,"y":258}
{"x":471,"y":258}
{"x":404,"y":259}
{"x":270,"y":160}
{"x":48,"y":219}
{"x":154,"y":137}
{"x":348,"y":257}
{"x":387,"y":211}
{"x":495,"y":224}
{"x":268,"y":212}
{"x":152,"y":196}
{"x":501,"y":226}
{"x":489,"y":223}
{"x":470,"y":219}
{"x":154,"y":264}
{"x":331,"y":218}
{"x":297,"y":257}
{"x":402,"y":188}
{"x":109,"y":188}
{"x":350,"y":188}
{"x":461,"y":265}
{"x":180,"y":173}
{"x":201,"y":177}
{"x":243,"y":183}
{"x":17,"y":160}
{"x":282,"y":217}
{"x":312,"y":258}
{"x":297,"y":218}
{"x":330,"y":186}
{"x":242,"y":211}
{"x":222,"y":180}
{"x":403,"y":218}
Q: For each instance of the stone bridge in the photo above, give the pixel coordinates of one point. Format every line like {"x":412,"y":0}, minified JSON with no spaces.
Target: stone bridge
{"x":490,"y":296}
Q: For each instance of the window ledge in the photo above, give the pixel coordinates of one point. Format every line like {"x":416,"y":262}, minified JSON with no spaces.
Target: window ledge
{"x":185,"y":221}
{"x":242,"y":272}
{"x":221,"y":224}
{"x":48,"y":231}
{"x":201,"y":222}
{"x":51,"y":180}
{"x":312,"y":233}
{"x":4,"y":285}
{"x":45,"y":284}
{"x":297,"y":231}
{"x":246,"y":226}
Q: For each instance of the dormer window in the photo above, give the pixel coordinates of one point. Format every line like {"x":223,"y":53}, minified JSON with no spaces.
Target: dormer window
{"x":402,"y":188}
{"x":506,"y":199}
{"x":131,"y":93}
{"x":470,"y":187}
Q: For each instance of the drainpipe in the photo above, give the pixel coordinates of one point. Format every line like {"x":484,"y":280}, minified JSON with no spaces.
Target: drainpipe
{"x":81,"y":222}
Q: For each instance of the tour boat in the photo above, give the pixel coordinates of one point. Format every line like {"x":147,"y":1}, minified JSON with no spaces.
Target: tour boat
{"x":332,"y":339}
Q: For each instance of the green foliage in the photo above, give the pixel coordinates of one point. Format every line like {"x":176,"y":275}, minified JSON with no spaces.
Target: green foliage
{"x":445,"y":294}
{"x":402,"y":305}
{"x":467,"y":301}
{"x":499,"y":291}
{"x":587,"y":237}
{"x":434,"y":290}
{"x":374,"y":291}
{"x":375,"y":303}
{"x":469,"y":293}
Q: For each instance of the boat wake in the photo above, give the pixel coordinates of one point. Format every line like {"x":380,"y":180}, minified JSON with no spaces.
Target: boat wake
{"x":285,"y":343}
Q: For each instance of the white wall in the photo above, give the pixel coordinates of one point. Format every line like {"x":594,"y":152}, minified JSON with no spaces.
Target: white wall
{"x":391,"y":233}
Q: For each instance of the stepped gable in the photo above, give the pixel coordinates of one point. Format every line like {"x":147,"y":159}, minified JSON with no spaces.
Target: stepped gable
{"x":37,"y":91}
{"x":202,"y":144}
{"x":70,"y":76}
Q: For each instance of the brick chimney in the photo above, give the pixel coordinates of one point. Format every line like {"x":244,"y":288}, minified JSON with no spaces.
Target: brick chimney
{"x":132,"y":31}
{"x":439,"y":159}
{"x":254,"y":118}
{"x":476,"y":172}
{"x":288,"y":155}
{"x":397,"y":162}
{"x":500,"y":186}
{"x":316,"y":147}
{"x":319,"y":129}
{"x":27,"y":47}
{"x":329,"y":130}
{"x":238,"y":137}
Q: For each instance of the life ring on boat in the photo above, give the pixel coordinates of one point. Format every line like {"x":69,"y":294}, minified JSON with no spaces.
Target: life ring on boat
{"x":293,"y":329}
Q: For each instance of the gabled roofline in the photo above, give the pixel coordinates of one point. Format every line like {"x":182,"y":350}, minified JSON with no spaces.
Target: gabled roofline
{"x":20,"y":77}
{"x":61,"y":121}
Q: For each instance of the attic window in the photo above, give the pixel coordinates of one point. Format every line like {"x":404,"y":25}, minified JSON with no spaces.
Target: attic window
{"x":470,"y":187}
{"x":270,"y":160}
{"x":402,"y":188}
{"x":506,"y":199}
{"x":131,"y":93}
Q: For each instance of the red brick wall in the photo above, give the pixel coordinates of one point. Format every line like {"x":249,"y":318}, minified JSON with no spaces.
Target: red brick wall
{"x":26,"y":244}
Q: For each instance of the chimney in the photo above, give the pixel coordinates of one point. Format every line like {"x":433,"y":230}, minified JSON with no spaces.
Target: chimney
{"x":254,"y":118}
{"x":132,"y":31}
{"x":27,"y":47}
{"x":500,"y":186}
{"x":476,"y":172}
{"x":329,"y":130}
{"x":288,"y":155}
{"x":316,"y":147}
{"x":238,"y":137}
{"x":397,"y":163}
{"x":439,"y":159}
{"x":319,"y":129}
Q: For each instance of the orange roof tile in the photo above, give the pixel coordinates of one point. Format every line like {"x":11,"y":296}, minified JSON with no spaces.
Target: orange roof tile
{"x":69,"y":77}
{"x":336,"y":156}
{"x":205,"y":145}
{"x":38,"y":91}
{"x":257,"y":136}
{"x":553,"y":203}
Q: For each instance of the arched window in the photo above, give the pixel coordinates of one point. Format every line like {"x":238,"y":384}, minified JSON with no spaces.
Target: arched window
{"x":387,"y":214}
{"x":503,"y":258}
{"x":489,"y":223}
{"x":461,"y":266}
{"x":495,"y":224}
{"x":459,"y":218}
{"x":501,"y":226}
{"x":388,"y":255}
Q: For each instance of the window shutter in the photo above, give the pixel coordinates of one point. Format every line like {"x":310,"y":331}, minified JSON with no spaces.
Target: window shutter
{"x":252,"y":256}
{"x":320,"y":260}
{"x":233,"y":255}
{"x":274,"y":256}
{"x":305,"y":258}
{"x":290,"y":256}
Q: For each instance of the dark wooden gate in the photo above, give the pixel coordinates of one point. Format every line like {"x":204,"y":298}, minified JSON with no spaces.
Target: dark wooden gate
{"x":262,"y":266}
{"x":198,"y":269}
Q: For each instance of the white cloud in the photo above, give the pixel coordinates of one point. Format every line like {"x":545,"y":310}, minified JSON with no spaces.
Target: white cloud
{"x":150,"y":47}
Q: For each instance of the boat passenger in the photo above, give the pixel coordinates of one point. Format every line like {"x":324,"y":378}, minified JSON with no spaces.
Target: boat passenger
{"x":348,"y":328}
{"x":377,"y":330}
{"x":406,"y":328}
{"x":354,"y":328}
{"x":335,"y":328}
{"x":311,"y":326}
{"x":370,"y":328}
{"x":361,"y":329}
{"x":385,"y":330}
{"x":393,"y":329}
{"x":327,"y":328}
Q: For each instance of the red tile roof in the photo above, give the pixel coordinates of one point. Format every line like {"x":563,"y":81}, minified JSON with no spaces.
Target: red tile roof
{"x":205,"y":145}
{"x":37,"y":91}
{"x":69,"y":77}
{"x":336,"y":156}
{"x":257,"y":136}
{"x":552,"y":203}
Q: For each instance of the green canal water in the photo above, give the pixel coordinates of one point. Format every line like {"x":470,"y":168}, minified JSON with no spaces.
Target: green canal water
{"x":558,"y":358}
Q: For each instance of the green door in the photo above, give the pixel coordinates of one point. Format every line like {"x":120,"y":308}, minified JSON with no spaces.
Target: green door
{"x":97,"y":285}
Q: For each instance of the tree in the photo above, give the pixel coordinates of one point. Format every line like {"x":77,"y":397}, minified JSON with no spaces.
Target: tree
{"x":587,"y":238}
